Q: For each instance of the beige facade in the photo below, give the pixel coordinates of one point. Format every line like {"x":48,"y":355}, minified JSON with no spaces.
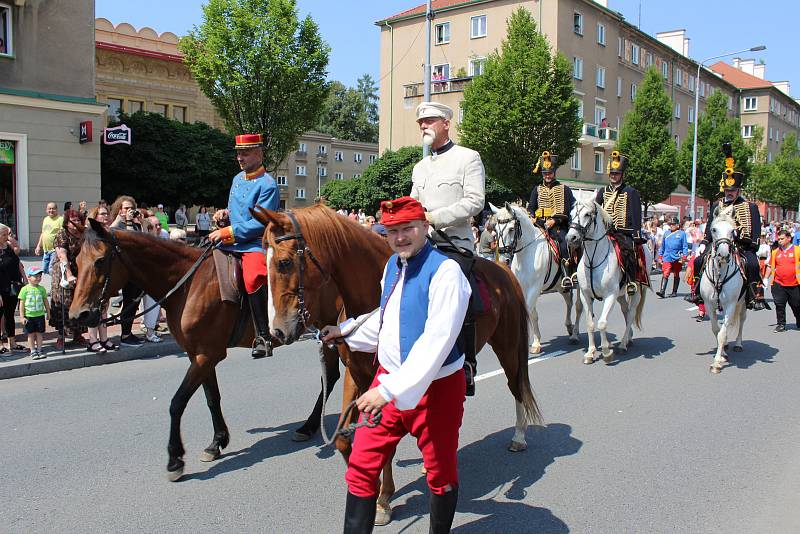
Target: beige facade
{"x":46,"y":92}
{"x":318,"y":159}
{"x":609,"y":58}
{"x":777,"y":113}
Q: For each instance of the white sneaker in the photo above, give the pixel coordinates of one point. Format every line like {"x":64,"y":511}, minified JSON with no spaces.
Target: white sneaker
{"x":153,"y":338}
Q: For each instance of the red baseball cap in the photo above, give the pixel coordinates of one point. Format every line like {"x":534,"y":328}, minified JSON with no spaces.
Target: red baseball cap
{"x":401,"y":210}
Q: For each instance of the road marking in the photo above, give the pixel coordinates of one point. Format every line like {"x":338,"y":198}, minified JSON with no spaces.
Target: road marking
{"x":693,"y":308}
{"x":531,"y":361}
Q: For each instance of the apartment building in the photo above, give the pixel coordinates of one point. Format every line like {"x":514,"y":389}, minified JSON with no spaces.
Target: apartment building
{"x":608,"y":54}
{"x":50,"y":122}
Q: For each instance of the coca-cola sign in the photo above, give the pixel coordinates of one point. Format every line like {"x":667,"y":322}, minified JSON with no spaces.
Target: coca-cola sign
{"x":116,"y":135}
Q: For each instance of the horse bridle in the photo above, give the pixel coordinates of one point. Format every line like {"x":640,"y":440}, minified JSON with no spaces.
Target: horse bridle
{"x":301,"y":251}
{"x":584,"y":229}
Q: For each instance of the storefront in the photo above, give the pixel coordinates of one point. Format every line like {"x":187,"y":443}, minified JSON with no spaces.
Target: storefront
{"x":8,"y":184}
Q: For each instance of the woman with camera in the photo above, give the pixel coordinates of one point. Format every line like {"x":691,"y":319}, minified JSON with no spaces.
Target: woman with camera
{"x":11,"y":277}
{"x":128,"y":217}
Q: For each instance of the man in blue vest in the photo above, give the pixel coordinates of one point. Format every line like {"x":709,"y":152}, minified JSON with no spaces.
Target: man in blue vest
{"x":420,"y":385}
{"x":240,"y":232}
{"x":673,"y":252}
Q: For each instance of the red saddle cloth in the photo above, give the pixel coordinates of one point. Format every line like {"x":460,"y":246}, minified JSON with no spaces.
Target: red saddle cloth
{"x":554,"y":248}
{"x":641,"y":272}
{"x":483,"y":302}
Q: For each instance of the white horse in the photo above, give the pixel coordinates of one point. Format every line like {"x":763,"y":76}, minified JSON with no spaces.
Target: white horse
{"x":721,"y":286}
{"x":600,"y":275}
{"x":525,"y":247}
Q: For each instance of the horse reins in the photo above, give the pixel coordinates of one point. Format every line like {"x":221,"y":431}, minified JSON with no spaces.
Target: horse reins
{"x":582,"y":231}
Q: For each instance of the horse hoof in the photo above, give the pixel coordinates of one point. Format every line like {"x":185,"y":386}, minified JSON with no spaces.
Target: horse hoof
{"x":383,"y":514}
{"x":573,"y":341}
{"x":174,"y":476}
{"x":737,"y":348}
{"x":516,"y":446}
{"x":608,"y":358}
{"x":715,"y":370}
{"x":423,"y":470}
{"x":588,"y":360}
{"x":569,"y":330}
{"x":535,"y":349}
{"x":298,"y":436}
{"x":209,"y":455}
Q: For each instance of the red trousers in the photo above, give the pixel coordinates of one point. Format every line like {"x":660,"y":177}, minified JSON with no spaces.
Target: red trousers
{"x":254,"y":270}
{"x":435,"y":423}
{"x":669,"y":267}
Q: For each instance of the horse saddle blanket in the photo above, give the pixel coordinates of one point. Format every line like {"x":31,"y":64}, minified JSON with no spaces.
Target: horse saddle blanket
{"x":554,"y":248}
{"x":480,"y":301}
{"x":229,"y":276}
{"x":642,"y":275}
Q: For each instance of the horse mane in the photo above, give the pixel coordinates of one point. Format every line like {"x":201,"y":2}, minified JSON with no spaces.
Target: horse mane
{"x":591,"y":203}
{"x":327,"y":230}
{"x":91,"y":238}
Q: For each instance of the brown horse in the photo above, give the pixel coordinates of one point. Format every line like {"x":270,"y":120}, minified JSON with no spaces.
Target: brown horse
{"x":318,"y":245}
{"x":198,"y":319}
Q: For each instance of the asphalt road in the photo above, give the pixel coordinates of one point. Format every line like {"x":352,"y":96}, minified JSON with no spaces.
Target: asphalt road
{"x":651,"y":443}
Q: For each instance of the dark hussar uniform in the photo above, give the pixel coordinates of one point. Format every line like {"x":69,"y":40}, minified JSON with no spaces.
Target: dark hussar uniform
{"x":624,"y":206}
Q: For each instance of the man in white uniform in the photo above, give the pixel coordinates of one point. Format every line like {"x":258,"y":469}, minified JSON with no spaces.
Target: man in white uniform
{"x":450,"y":184}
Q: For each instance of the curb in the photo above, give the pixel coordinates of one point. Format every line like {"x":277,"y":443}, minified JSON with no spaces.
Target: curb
{"x":56,"y":362}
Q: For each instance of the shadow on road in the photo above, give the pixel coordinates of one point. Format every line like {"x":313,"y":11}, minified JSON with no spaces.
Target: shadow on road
{"x":486,"y":468}
{"x":754,"y":352}
{"x":642,"y":347}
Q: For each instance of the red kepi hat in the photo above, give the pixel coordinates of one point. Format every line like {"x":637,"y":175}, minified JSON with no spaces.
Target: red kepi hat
{"x":401,"y":210}
{"x":249,"y":141}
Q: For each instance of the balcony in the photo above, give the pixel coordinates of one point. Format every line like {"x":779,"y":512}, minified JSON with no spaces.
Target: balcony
{"x":598,"y":137}
{"x":301,"y":154}
{"x":453,"y":85}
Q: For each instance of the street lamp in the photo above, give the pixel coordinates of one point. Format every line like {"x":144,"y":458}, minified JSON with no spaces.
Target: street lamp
{"x":320,"y":160}
{"x":692,"y":199}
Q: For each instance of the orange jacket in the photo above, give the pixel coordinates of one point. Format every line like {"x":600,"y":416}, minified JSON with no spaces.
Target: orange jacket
{"x":796,"y":262}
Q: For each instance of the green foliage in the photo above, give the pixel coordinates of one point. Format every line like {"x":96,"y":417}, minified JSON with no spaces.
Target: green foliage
{"x":760,"y":169}
{"x":715,"y":127}
{"x":389,"y":177}
{"x":262,"y":68}
{"x":169,"y":162}
{"x":645,"y":138}
{"x":521,"y":105}
{"x":781,"y":185}
{"x":351,"y":113}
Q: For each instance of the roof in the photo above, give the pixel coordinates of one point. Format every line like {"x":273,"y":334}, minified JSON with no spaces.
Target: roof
{"x":436,"y":5}
{"x":739,"y":78}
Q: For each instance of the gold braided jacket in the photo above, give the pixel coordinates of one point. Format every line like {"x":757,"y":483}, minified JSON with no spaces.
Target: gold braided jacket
{"x":550,"y":201}
{"x":616,"y":204}
{"x":741,"y":214}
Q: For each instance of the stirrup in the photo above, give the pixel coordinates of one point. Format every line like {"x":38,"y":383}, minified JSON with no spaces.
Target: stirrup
{"x":257,"y":352}
{"x":567,"y":284}
{"x":469,"y":374}
{"x":631,"y":288}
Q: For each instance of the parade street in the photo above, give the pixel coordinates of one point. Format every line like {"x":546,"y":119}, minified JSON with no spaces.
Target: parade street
{"x":651,"y":443}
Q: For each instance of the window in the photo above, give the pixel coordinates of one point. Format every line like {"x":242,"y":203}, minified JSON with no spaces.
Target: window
{"x":691,"y":83}
{"x":372,"y":158}
{"x":747,"y":130}
{"x":577,"y":20}
{"x":577,"y":68}
{"x":702,"y":89}
{"x":356,"y":175}
{"x":750,"y":103}
{"x":476,"y":66}
{"x":770,"y":133}
{"x":322,"y":150}
{"x":357,"y":157}
{"x":690,"y":115}
{"x":635,"y":54}
{"x":678,"y":76}
{"x":619,"y":46}
{"x":322,"y":170}
{"x":477,"y":26}
{"x":730,"y":103}
{"x":601,"y":77}
{"x":338,"y":156}
{"x":598,"y":163}
{"x":300,"y":170}
{"x":599,"y":115}
{"x":665,"y":70}
{"x":633,"y":92}
{"x":677,"y":111}
{"x":302,"y":148}
{"x":649,"y":60}
{"x":282,"y":181}
{"x":6,"y":41}
{"x":338,"y":176}
{"x":114,"y":107}
{"x":135,"y":106}
{"x":580,"y":109}
{"x":300,"y":193}
{"x":179,"y":113}
{"x":601,"y":34}
{"x":677,"y":142}
{"x":159,"y":109}
{"x":575,"y":160}
{"x":440,"y":73}
{"x":619,"y":87}
{"x":442,"y":33}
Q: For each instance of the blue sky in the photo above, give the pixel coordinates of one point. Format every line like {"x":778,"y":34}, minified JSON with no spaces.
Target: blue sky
{"x":714,"y":27}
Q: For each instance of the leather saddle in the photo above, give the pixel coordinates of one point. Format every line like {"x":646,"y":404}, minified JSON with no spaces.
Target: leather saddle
{"x":228,"y":266}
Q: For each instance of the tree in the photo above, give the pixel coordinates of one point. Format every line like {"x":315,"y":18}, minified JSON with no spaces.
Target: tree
{"x":781,"y":185}
{"x":715,"y":127}
{"x":760,"y":170}
{"x":262,"y":68}
{"x":645,"y":138}
{"x":522,"y":104}
{"x":169,"y":162}
{"x":349,"y":113}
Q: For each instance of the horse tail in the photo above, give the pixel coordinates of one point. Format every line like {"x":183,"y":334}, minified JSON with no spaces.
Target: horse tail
{"x":532,"y":412}
{"x":637,"y":320}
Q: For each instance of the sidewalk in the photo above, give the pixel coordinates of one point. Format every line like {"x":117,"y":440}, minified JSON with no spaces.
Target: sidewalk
{"x":17,"y":364}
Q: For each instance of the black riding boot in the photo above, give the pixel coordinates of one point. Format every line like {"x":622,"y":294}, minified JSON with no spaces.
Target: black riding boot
{"x":443,"y":509}
{"x":755,"y":297}
{"x":663,"y":289}
{"x":262,"y":345}
{"x":675,"y":283}
{"x":359,"y":514}
{"x":694,"y":297}
{"x":470,"y":358}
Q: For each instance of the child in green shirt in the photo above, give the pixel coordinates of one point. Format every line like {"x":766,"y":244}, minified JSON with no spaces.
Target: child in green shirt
{"x":33,"y":309}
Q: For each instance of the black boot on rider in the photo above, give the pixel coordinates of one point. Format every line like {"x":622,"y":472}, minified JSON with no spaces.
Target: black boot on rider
{"x":359,"y":514}
{"x":694,"y":297}
{"x":755,"y":297}
{"x":470,"y":359}
{"x":443,"y":510}
{"x":262,"y":345}
{"x":675,"y":282}
{"x":663,"y":289}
